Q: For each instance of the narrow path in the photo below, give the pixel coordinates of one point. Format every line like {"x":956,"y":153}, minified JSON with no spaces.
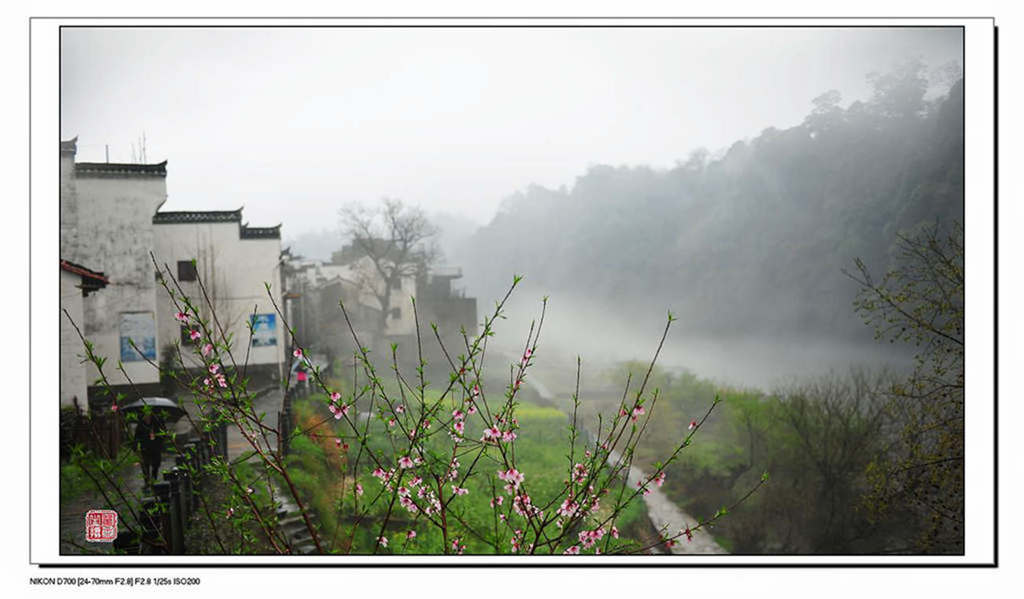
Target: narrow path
{"x":664,"y":514}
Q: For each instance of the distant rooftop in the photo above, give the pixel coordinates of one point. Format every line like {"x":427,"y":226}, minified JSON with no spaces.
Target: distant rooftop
{"x":248,"y":232}
{"x":120,"y":169}
{"x":191,"y":217}
{"x":205,"y":216}
{"x":451,"y":272}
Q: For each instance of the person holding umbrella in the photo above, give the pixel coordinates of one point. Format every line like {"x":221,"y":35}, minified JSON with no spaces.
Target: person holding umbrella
{"x":149,"y":439}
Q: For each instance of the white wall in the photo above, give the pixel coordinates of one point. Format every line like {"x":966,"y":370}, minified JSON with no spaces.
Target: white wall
{"x":234,"y":271}
{"x":364,"y":274}
{"x":106,"y":223}
{"x":72,"y":372}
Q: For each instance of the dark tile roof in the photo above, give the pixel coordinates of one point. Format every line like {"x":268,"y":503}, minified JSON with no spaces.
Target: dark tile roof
{"x":248,"y":232}
{"x":120,"y":169}
{"x":70,"y":146}
{"x":218,"y":216}
{"x":91,"y":279}
{"x":205,"y":216}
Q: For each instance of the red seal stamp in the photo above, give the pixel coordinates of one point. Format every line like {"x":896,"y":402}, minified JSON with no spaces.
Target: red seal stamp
{"x":100,"y":526}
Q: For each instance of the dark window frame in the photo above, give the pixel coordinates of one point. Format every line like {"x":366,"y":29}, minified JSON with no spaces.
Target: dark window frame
{"x":187,"y":270}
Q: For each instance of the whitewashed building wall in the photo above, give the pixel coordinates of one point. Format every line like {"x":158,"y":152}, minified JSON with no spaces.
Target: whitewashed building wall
{"x":72,"y":372}
{"x":234,"y":262}
{"x":106,"y":212}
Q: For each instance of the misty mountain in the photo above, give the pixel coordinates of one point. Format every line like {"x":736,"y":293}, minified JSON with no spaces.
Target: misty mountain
{"x":752,"y":242}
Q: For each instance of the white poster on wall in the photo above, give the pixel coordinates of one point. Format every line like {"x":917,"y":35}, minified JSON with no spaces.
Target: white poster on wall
{"x":137,"y":328}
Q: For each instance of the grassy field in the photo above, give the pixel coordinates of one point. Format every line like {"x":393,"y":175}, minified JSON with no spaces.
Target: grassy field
{"x":326,"y":475}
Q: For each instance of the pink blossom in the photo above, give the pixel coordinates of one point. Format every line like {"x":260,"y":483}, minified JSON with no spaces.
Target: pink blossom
{"x":615,"y":532}
{"x":214,"y":368}
{"x":574,"y":550}
{"x":497,"y":500}
{"x":579,"y":473}
{"x":508,"y":436}
{"x":491,"y":433}
{"x":359,"y":489}
{"x":221,"y":380}
{"x":589,"y":537}
{"x":637,"y":412}
{"x":298,"y":354}
{"x":113,"y":407}
{"x":405,"y":462}
{"x":459,"y":490}
{"x":181,"y":317}
{"x":471,"y":409}
{"x":383,"y":541}
{"x":458,"y":414}
{"x":378,"y":473}
{"x":660,"y":479}
{"x":207,"y":349}
{"x":693,"y":425}
{"x":568,"y":508}
{"x":411,"y":534}
{"x":526,"y":357}
{"x":391,"y":422}
{"x":460,"y":427}
{"x":409,"y":505}
{"x":194,"y":334}
{"x":231,"y":512}
{"x":335,"y":396}
{"x":511,"y":476}
{"x":400,"y":409}
{"x":337,"y":441}
{"x":688,"y":533}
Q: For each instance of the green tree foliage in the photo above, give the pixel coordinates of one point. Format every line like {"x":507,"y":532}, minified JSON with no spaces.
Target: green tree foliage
{"x":920,"y":474}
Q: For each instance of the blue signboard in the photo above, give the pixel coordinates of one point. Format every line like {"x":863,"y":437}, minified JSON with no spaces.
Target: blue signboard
{"x":264,"y":329}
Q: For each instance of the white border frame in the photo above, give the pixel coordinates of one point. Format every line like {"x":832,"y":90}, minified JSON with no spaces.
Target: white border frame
{"x":980,"y":299}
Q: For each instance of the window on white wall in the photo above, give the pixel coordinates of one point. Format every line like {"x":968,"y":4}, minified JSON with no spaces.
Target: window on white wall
{"x":186,"y":270}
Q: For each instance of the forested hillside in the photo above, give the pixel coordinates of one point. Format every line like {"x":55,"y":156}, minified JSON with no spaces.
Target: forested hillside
{"x":753,"y":241}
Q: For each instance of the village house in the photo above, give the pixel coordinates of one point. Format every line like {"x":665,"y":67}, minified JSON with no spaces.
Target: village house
{"x":76,"y":283}
{"x":106,"y":222}
{"x":110,"y":221}
{"x":315,"y":288}
{"x":235,"y":263}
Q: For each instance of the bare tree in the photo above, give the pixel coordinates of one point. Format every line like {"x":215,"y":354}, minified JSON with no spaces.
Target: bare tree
{"x":398,"y":242}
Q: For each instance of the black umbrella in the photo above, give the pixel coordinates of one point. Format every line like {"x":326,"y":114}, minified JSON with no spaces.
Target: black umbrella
{"x":169,"y":409}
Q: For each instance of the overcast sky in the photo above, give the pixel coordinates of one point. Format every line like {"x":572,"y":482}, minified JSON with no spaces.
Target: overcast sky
{"x":294,"y":122}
